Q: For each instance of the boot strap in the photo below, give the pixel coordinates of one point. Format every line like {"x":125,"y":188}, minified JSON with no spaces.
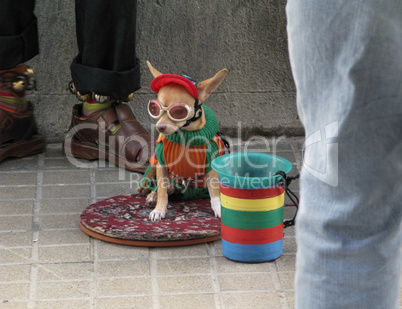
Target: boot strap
{"x":18,"y":82}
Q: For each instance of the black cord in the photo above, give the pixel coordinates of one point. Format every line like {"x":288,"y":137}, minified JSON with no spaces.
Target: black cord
{"x":225,"y":142}
{"x":286,"y":181}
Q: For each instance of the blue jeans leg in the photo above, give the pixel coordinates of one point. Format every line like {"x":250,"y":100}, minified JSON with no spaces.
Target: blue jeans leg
{"x":347,"y":65}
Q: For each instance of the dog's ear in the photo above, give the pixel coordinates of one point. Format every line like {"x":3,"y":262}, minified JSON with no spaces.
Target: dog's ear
{"x":207,"y":86}
{"x":154,"y":71}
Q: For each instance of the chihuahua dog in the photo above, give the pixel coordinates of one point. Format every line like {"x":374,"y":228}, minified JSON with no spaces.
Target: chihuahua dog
{"x":178,"y":165}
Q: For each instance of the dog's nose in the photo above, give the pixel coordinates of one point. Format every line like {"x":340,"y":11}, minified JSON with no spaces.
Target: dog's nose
{"x":161,"y":127}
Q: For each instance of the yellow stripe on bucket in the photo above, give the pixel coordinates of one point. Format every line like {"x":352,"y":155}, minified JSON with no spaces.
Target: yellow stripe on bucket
{"x":265,"y":204}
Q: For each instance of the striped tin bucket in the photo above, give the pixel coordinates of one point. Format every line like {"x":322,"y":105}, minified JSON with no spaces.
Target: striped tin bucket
{"x":252,"y":205}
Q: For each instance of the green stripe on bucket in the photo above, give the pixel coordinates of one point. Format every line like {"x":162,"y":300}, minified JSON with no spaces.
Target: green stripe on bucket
{"x":252,"y":219}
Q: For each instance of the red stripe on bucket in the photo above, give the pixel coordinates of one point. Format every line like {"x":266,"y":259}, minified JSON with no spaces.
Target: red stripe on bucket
{"x":251,"y":193}
{"x":252,"y":236}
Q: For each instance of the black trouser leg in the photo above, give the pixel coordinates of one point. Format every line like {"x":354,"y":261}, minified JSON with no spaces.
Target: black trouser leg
{"x":18,"y":32}
{"x":106,"y":63}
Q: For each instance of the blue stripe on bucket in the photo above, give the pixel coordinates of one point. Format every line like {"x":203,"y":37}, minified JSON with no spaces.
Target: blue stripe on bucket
{"x":252,"y":253}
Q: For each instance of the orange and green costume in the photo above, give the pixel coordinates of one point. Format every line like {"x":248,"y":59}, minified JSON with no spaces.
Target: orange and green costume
{"x":187,"y":156}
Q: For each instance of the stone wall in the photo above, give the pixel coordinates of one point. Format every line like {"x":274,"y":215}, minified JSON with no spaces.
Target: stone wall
{"x":193,"y":37}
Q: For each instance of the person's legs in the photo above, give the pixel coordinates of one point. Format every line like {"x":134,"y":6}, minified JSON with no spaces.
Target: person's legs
{"x":105,"y":73}
{"x":18,"y":43}
{"x":107,"y":62}
{"x":346,"y":61}
{"x":18,"y":33}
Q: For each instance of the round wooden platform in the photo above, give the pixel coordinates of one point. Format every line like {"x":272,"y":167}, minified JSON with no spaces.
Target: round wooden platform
{"x":124,"y":220}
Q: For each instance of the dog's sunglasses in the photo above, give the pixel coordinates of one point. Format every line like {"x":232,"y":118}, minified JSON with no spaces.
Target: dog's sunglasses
{"x":176,"y":111}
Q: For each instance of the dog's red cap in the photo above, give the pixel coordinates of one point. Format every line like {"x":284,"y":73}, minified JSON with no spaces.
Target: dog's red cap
{"x":164,"y":79}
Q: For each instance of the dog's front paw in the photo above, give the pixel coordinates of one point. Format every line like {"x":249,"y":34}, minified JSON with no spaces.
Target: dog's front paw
{"x":151,"y":198}
{"x":216,"y":206}
{"x":143,"y":190}
{"x":157,"y":215}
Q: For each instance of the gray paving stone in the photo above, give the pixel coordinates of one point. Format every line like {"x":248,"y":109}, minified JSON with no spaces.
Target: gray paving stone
{"x":188,"y":284}
{"x":79,"y":253}
{"x":14,"y":207}
{"x":290,"y":296}
{"x":15,"y":273}
{"x":224,"y":265}
{"x":15,"y":255}
{"x":108,"y":190}
{"x":123,"y":268}
{"x":66,"y":177}
{"x":60,"y":221}
{"x":15,"y":223}
{"x":217,"y":248}
{"x":184,"y":266}
{"x":7,"y":304}
{"x":289,"y":231}
{"x":63,"y":206}
{"x":143,"y":302}
{"x":15,"y":239}
{"x":18,"y":192}
{"x":193,"y":301}
{"x":64,"y":163}
{"x":289,"y":211}
{"x":124,"y":286}
{"x":20,"y":165}
{"x":185,"y":251}
{"x":65,"y":271}
{"x":62,"y":289}
{"x":113,"y":175}
{"x":109,"y":251}
{"x":286,"y":263}
{"x":287,"y":280}
{"x":246,"y":282}
{"x":255,"y":300}
{"x":63,"y":237}
{"x":63,"y":304}
{"x":66,"y":191}
{"x":22,"y":178}
{"x":14,"y":291}
{"x":289,"y":245}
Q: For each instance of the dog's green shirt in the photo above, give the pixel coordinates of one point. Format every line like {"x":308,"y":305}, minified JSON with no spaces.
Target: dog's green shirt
{"x":205,"y":136}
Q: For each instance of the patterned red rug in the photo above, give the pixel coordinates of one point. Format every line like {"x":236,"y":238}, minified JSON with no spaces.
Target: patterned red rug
{"x":124,"y":220}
